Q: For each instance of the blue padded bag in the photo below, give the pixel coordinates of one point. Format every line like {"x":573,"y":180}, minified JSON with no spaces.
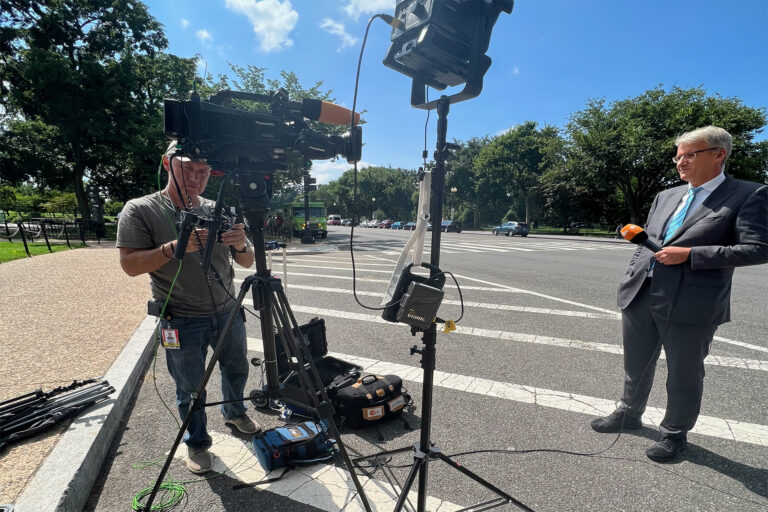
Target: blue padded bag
{"x":293,"y":444}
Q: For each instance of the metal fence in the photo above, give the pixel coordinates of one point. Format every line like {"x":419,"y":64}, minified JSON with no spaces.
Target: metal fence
{"x":53,"y":231}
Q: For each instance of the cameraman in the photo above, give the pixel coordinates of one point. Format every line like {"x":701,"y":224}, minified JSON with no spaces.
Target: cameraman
{"x":199,"y":305}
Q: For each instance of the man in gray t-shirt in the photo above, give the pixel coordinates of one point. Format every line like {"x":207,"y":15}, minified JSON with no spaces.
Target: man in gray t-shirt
{"x":196,"y":305}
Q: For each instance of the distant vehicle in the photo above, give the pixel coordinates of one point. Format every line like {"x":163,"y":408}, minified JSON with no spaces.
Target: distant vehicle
{"x":429,"y":226}
{"x":398,"y":225}
{"x":451,"y":225}
{"x":317,"y":218}
{"x":512,"y":228}
{"x":410,"y":226}
{"x":346,"y":222}
{"x":385,"y":224}
{"x":334,"y":220}
{"x":373,"y":223}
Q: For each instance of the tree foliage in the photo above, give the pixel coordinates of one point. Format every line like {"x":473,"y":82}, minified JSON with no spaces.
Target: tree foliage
{"x":76,"y":67}
{"x":386,"y":189}
{"x":626,"y":149}
{"x":513,"y":162}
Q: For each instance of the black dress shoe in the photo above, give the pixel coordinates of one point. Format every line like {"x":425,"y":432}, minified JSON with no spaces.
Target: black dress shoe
{"x":666,"y":449}
{"x":613,"y":423}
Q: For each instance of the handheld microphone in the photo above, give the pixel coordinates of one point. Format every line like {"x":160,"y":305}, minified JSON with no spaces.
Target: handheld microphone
{"x":325,"y":112}
{"x":637,"y":235}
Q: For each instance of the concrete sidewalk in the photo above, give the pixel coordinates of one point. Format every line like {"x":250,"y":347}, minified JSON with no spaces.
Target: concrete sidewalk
{"x":72,"y":315}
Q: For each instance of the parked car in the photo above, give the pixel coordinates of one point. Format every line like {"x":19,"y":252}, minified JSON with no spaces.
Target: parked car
{"x":410,"y":226}
{"x":398,"y":225}
{"x":334,"y":220}
{"x":373,"y":223}
{"x":385,"y":224}
{"x":512,"y":228}
{"x":346,"y":222}
{"x":451,"y":225}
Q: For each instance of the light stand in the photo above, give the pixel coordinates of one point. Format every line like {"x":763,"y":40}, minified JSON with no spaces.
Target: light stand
{"x":425,"y":449}
{"x":275,"y":314}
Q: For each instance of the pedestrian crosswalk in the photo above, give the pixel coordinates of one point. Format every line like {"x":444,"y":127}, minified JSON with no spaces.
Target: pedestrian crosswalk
{"x":470,"y":246}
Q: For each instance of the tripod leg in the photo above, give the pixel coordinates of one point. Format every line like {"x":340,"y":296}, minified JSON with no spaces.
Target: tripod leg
{"x":195,"y":404}
{"x":420,"y":460}
{"x":481,"y":481}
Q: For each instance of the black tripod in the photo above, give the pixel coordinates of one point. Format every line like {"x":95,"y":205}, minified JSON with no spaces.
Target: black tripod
{"x":276,"y":315}
{"x":425,"y":450}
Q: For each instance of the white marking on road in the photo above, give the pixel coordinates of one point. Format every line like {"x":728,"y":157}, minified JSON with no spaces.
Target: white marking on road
{"x":324,"y":486}
{"x":496,"y":247}
{"x":338,"y":262}
{"x":483,"y":305}
{"x":529,"y":292}
{"x":742,"y":344}
{"x":706,"y":425}
{"x":369,"y":280}
{"x":609,"y":348}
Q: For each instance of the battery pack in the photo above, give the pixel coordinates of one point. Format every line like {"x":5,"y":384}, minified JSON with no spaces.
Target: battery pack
{"x":419,"y":305}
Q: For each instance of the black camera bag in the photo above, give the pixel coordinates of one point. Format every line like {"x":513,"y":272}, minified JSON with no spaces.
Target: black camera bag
{"x":370,"y":400}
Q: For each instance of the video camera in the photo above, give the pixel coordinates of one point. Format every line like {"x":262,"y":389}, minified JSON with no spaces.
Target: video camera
{"x":229,"y":138}
{"x":250,"y":146}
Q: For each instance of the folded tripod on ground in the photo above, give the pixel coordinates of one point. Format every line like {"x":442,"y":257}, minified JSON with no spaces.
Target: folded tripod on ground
{"x":29,"y":414}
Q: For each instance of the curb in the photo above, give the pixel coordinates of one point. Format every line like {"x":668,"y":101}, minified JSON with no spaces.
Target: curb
{"x":65,"y":479}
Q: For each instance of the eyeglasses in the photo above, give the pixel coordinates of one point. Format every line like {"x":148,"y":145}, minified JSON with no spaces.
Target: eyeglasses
{"x":690,"y":156}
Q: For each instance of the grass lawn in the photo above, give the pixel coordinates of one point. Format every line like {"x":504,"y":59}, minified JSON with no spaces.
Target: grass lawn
{"x":13,"y":251}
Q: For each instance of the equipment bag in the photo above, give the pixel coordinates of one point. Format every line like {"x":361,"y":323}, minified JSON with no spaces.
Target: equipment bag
{"x":371,"y":399}
{"x":293,"y":444}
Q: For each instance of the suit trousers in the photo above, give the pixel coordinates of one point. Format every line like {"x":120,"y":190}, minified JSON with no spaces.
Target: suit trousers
{"x":685,"y":347}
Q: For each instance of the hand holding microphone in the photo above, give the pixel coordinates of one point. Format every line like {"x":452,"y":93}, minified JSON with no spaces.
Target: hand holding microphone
{"x":637,"y":235}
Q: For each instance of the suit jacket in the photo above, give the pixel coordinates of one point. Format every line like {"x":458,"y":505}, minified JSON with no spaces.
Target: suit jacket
{"x":729,"y":229}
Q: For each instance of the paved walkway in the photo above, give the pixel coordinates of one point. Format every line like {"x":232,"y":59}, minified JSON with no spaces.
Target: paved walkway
{"x":66,"y":316}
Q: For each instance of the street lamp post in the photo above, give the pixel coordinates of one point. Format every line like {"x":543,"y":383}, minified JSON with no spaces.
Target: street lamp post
{"x":373,"y":207}
{"x":453,"y":199}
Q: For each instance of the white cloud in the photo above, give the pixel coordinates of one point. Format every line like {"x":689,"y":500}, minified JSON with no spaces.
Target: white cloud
{"x":355,"y":8}
{"x":272,"y":21}
{"x":325,"y":171}
{"x":204,"y":36}
{"x":184,"y":23}
{"x":515,"y":70}
{"x":336,"y":28}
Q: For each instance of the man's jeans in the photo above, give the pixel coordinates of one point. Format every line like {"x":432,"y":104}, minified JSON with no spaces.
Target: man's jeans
{"x":187,"y":367}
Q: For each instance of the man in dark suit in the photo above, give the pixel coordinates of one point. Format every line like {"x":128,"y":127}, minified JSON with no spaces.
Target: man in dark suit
{"x":676,"y":298}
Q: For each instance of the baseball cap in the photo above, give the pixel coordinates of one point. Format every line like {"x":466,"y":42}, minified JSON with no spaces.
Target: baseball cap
{"x":173,"y":149}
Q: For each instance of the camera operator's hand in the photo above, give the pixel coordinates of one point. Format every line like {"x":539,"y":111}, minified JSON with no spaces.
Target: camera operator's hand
{"x":197,"y":240}
{"x":235,"y":237}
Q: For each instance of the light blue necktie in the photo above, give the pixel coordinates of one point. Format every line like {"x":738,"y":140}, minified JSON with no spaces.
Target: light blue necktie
{"x":678,"y":219}
{"x":676,"y":222}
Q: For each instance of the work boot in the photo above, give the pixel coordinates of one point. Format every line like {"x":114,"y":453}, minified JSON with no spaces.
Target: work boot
{"x":244,"y":424}
{"x":199,"y":461}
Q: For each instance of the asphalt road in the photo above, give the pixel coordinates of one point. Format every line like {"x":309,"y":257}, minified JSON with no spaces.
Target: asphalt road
{"x":536,"y":357}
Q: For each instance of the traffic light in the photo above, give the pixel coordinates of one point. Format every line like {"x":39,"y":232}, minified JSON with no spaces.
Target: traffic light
{"x":309,"y":183}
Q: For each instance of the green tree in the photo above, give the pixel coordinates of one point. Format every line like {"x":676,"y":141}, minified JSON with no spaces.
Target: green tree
{"x":460,"y":173}
{"x":62,"y":202}
{"x":626,"y":149}
{"x":513,"y":162}
{"x":72,"y":65}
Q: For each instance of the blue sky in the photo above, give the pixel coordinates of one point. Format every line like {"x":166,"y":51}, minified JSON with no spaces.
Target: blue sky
{"x":549,"y":58}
